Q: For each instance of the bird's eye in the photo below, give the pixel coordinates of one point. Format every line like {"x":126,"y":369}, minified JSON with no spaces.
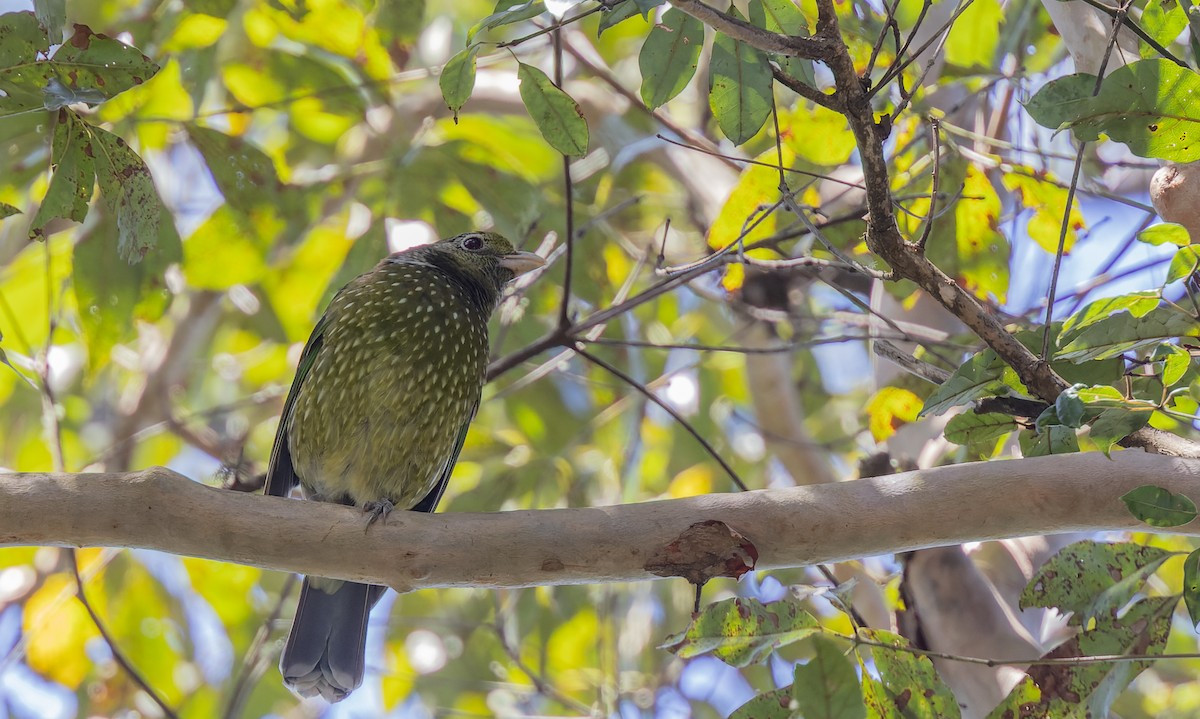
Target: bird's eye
{"x":474,"y":243}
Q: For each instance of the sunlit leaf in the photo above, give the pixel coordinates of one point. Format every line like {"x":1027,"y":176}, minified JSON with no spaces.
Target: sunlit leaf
{"x":742,"y":631}
{"x":668,"y":57}
{"x":73,"y":178}
{"x":1165,"y":233}
{"x":1145,"y":104}
{"x":1122,"y":332}
{"x":1075,"y":580}
{"x":1184,"y":264}
{"x":128,"y":192}
{"x":1175,"y":364}
{"x":902,"y":671}
{"x":57,"y":627}
{"x":1088,"y":689}
{"x":983,"y":375}
{"x":1191,"y":586}
{"x":1138,"y":304}
{"x":556,"y":115}
{"x":889,"y":409}
{"x":982,"y":250}
{"x":973,"y":39}
{"x":1048,"y":201}
{"x":1159,"y":507}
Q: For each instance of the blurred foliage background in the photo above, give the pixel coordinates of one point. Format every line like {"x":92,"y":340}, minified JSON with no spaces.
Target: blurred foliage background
{"x":293,"y":143}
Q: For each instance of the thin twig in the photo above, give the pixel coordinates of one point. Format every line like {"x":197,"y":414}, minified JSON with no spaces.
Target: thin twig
{"x":935,"y":126}
{"x":666,"y":406}
{"x":254,"y":663}
{"x":1065,"y":226}
{"x":117,"y":654}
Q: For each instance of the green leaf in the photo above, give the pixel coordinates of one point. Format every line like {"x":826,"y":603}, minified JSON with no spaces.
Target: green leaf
{"x":668,"y":57}
{"x":1146,"y":105}
{"x":1184,"y":264}
{"x":1117,"y":423}
{"x":7,"y":210}
{"x":1123,"y":333}
{"x":1024,"y":694}
{"x":1069,"y":407}
{"x":1138,"y":304}
{"x":22,"y":39}
{"x":1088,"y":689}
{"x":556,"y":115}
{"x":983,"y":375}
{"x":74,"y":178}
{"x":52,"y":16}
{"x":92,"y":65}
{"x":1191,"y":586}
{"x":1163,"y":21}
{"x":774,"y":704}
{"x":782,"y":16}
{"x":739,"y":87}
{"x":625,"y":10}
{"x":743,"y":631}
{"x":112,"y":294}
{"x":128,"y":192}
{"x":243,"y":173}
{"x":1075,"y":579}
{"x":507,"y":12}
{"x":1175,"y":364}
{"x":1061,"y":100}
{"x":1159,"y":507}
{"x":970,"y":428}
{"x":1165,"y":232}
{"x":973,"y":39}
{"x":458,"y":79}
{"x":902,"y":672}
{"x":5,"y":361}
{"x":827,"y":687}
{"x":1053,"y":439}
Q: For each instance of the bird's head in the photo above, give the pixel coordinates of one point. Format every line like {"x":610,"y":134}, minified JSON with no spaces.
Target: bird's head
{"x":483,"y":258}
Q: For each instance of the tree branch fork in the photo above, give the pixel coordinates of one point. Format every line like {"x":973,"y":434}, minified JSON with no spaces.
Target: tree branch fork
{"x":159,"y":509}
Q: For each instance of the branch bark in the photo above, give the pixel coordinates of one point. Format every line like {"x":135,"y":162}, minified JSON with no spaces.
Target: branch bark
{"x":159,"y":509}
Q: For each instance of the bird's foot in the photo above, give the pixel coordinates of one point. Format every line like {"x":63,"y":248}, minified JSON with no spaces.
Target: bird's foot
{"x":378,"y":510}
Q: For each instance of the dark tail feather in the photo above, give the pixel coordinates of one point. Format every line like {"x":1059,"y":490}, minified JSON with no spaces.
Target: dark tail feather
{"x":325,"y":652}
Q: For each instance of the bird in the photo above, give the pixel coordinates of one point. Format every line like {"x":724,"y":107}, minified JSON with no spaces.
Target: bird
{"x":376,"y":416}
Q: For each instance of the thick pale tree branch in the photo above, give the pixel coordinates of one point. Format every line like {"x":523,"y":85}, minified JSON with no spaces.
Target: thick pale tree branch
{"x":159,"y":509}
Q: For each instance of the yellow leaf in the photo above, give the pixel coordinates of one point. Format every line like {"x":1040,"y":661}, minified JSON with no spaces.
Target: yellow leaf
{"x":756,"y":191}
{"x":195,"y":31}
{"x":890,"y":408}
{"x":57,"y":627}
{"x":733,"y":278}
{"x":693,"y":481}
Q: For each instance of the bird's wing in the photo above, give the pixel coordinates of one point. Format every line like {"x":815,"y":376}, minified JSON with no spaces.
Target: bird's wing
{"x":281,"y":474}
{"x":430,"y":501}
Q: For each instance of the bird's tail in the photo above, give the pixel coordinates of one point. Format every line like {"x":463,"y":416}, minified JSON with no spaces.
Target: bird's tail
{"x":325,"y":652}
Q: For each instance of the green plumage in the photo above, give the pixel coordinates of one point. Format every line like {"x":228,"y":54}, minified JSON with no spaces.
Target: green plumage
{"x":385,"y":390}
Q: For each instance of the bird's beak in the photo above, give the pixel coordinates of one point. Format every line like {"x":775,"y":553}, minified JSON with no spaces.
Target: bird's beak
{"x":521,"y":262}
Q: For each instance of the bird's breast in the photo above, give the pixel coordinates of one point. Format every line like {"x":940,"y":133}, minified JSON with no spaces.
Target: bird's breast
{"x":396,"y":379}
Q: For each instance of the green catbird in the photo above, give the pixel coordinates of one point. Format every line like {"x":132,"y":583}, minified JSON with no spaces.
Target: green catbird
{"x":376,"y":416}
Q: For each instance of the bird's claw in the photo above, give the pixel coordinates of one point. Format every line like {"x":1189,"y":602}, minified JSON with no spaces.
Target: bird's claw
{"x":378,"y":510}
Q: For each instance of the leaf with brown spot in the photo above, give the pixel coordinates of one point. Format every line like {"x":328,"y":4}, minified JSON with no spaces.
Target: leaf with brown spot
{"x":1089,"y":689}
{"x":743,"y":631}
{"x":1091,"y":579}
